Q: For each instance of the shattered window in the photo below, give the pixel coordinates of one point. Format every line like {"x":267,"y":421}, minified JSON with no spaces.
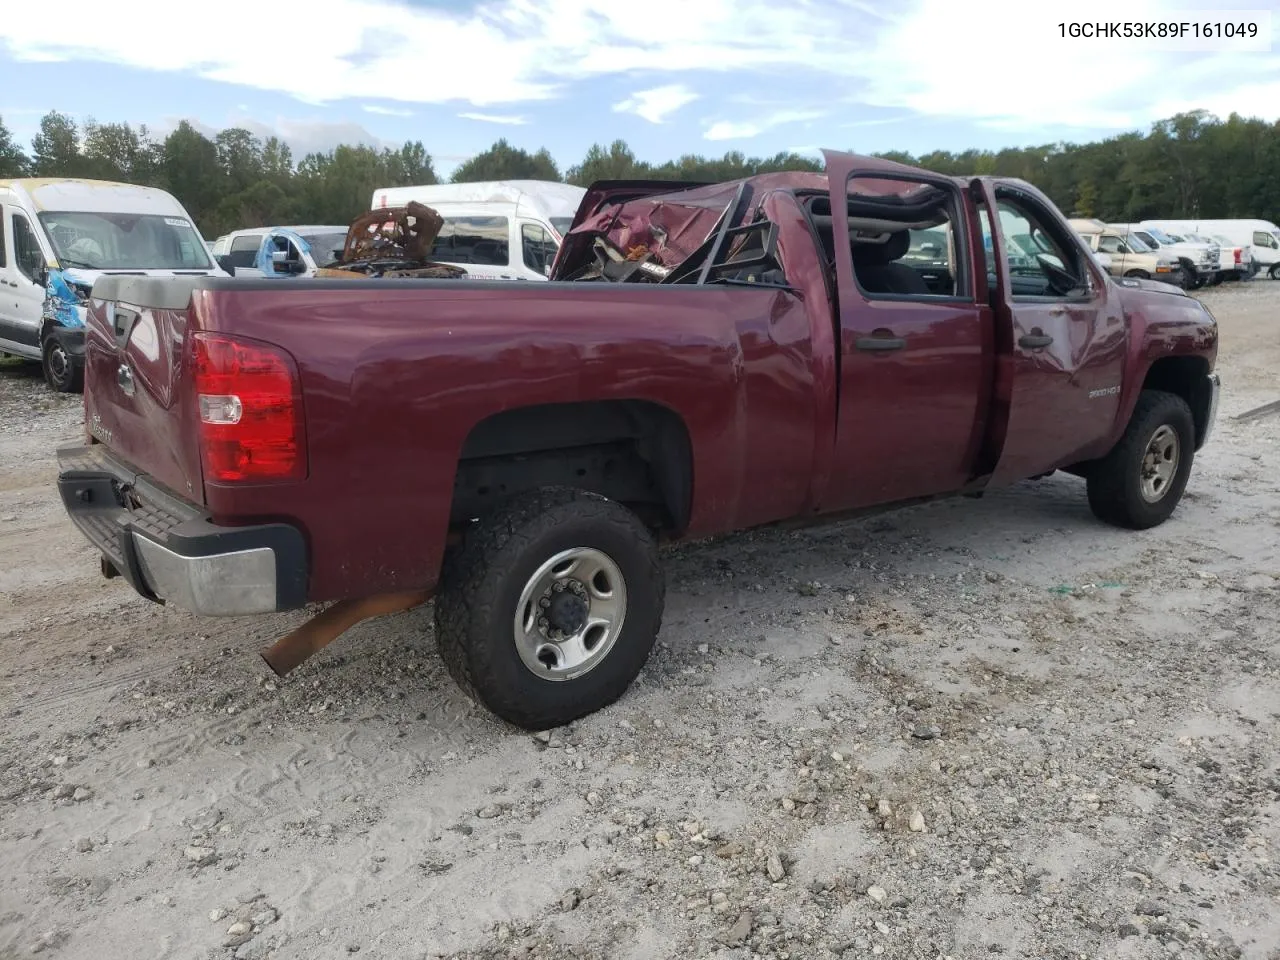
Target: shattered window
{"x":483,"y":241}
{"x":539,"y":248}
{"x":27,"y":255}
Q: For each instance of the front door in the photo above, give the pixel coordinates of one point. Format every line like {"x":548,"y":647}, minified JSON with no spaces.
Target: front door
{"x":914,"y":341}
{"x":1060,"y":394}
{"x":21,"y":294}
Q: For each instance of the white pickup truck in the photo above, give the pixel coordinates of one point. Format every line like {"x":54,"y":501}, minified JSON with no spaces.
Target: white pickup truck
{"x":1200,"y":261}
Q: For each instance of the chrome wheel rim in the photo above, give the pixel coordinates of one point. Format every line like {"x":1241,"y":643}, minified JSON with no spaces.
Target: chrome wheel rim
{"x":1160,"y":463}
{"x":570,"y":614}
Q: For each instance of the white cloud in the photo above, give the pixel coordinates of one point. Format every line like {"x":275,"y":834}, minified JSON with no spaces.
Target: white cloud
{"x":495,"y":118}
{"x":657,"y":104}
{"x":998,"y":62}
{"x":302,"y":136}
{"x":746,"y":129}
{"x":386,"y":111}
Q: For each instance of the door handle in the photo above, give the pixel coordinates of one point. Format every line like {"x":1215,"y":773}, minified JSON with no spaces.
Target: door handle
{"x":1033,"y":341}
{"x":880,"y":343}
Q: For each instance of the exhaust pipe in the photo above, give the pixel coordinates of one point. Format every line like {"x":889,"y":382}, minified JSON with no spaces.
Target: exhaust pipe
{"x":325,"y":627}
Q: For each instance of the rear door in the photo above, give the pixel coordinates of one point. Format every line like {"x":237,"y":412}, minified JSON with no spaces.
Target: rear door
{"x":134,"y":377}
{"x":913,"y":357}
{"x":1059,"y":390}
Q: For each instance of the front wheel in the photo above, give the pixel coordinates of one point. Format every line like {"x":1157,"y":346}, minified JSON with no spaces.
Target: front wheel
{"x":550,"y":607}
{"x":1138,"y":275}
{"x":1139,"y":483}
{"x":61,"y":372}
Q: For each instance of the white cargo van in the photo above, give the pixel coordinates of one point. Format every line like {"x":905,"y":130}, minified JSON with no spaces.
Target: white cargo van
{"x":1262,"y":235}
{"x":59,"y":236}
{"x":497,"y":229}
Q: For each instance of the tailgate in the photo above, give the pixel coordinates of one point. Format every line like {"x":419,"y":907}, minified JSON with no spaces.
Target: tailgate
{"x":136,"y":400}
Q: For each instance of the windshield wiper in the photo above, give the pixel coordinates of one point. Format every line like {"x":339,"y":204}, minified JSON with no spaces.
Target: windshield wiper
{"x":68,"y":262}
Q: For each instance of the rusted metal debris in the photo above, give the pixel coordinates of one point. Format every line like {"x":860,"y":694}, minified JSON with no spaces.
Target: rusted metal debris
{"x":393,"y":242}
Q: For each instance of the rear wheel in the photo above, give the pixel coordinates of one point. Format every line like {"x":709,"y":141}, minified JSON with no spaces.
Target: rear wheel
{"x":61,"y":372}
{"x":1274,"y":272}
{"x":1139,"y":483}
{"x":550,"y":607}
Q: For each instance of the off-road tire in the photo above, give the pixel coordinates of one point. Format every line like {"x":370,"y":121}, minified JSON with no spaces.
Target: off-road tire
{"x":66,"y":377}
{"x":1114,"y":483}
{"x":480,"y":588}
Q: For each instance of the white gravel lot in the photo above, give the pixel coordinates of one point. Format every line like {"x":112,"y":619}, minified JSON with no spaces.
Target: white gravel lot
{"x":981,"y":728}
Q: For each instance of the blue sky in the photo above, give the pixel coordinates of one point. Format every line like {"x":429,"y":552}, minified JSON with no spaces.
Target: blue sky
{"x":696,"y":76}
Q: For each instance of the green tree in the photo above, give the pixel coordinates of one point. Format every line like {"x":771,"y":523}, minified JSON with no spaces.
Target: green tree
{"x":13,"y":162}
{"x":55,"y":150}
{"x":505,"y":162}
{"x":239,"y":157}
{"x":615,"y":163}
{"x":192,"y":172}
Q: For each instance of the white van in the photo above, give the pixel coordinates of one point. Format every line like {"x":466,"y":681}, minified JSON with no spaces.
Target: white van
{"x":497,"y":229}
{"x":59,"y":236}
{"x":302,"y":248}
{"x":1262,"y":235}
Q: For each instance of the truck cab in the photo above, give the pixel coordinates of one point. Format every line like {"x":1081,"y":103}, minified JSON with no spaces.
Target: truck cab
{"x":58,"y":236}
{"x":294,"y":251}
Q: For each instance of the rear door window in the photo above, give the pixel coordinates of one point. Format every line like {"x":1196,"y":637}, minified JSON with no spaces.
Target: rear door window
{"x":482,"y":241}
{"x":244,"y":251}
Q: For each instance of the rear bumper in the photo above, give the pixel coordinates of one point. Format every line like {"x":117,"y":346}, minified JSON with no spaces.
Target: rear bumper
{"x":169,"y":551}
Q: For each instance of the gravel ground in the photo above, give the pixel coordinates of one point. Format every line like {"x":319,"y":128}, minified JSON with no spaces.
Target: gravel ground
{"x":979,"y":728}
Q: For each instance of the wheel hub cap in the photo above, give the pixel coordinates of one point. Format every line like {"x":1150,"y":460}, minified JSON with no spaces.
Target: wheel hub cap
{"x":1160,"y":463}
{"x":570,"y":613}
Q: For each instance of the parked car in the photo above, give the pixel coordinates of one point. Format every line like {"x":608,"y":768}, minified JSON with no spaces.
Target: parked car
{"x":1262,"y":235}
{"x":1234,"y":262}
{"x":1128,"y":255}
{"x":1199,"y":260}
{"x":57,"y":236}
{"x":498,"y":230}
{"x":302,"y":249}
{"x":704,"y":360}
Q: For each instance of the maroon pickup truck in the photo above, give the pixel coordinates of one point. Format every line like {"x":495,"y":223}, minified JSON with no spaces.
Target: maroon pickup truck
{"x":706,"y":358}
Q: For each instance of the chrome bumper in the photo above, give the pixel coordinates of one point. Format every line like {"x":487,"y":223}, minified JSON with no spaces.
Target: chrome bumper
{"x":221,"y":584}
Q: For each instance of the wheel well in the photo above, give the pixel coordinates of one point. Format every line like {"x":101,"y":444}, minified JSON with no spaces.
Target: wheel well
{"x":1188,"y":378}
{"x":632,"y":451}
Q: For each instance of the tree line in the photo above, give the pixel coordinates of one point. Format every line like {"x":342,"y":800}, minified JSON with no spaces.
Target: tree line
{"x":1191,"y":165}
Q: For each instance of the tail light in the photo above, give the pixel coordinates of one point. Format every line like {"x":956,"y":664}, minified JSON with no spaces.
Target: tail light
{"x":249,"y":404}
{"x":1238,"y":252}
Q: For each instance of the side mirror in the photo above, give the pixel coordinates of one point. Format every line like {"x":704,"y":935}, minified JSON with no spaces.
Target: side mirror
{"x":546,"y":269}
{"x":224,"y":262}
{"x":41,"y":271}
